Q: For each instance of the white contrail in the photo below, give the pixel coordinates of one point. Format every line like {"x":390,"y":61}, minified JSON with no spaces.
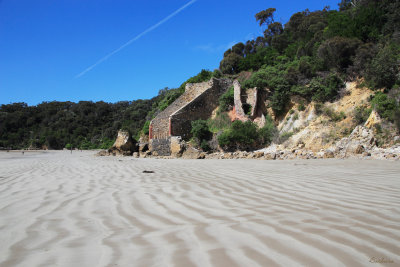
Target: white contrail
{"x":155,"y":26}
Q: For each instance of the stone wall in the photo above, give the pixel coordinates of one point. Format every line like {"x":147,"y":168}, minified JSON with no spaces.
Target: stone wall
{"x":251,"y":99}
{"x":162,"y":147}
{"x":160,"y":126}
{"x":197,"y":102}
{"x":237,"y":98}
{"x":199,"y":108}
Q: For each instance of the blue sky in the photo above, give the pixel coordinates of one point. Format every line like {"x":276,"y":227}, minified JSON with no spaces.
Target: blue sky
{"x":46,"y":45}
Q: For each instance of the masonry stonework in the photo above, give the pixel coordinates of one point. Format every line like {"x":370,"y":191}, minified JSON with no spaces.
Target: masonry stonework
{"x":237,"y":98}
{"x":161,"y":146}
{"x":197,"y":102}
{"x":199,"y":108}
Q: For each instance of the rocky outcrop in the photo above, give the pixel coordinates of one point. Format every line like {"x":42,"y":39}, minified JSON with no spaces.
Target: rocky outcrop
{"x":177,"y":146}
{"x":373,"y":119}
{"x":361,"y":144}
{"x":359,"y":141}
{"x":193,"y":153}
{"x":124,"y":145}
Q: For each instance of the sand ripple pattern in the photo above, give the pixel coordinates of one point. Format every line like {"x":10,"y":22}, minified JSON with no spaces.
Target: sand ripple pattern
{"x":62,"y":209}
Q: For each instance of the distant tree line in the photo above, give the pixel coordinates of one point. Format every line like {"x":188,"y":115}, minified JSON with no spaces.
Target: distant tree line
{"x":85,"y":125}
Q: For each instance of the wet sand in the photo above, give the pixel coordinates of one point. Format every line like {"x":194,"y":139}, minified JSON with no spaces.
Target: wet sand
{"x":63,"y":209}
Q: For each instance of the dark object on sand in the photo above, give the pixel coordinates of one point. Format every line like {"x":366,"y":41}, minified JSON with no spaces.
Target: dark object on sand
{"x":148,"y":172}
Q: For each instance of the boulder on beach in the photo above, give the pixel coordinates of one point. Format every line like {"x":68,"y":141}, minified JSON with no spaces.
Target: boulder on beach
{"x":360,"y":140}
{"x":124,"y":145}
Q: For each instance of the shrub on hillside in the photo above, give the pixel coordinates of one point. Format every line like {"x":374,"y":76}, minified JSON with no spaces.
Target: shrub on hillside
{"x":326,"y":89}
{"x":301,"y":106}
{"x":361,"y":114}
{"x":201,"y":134}
{"x":241,"y":135}
{"x":386,"y":106}
{"x":320,"y":89}
{"x":217,"y":73}
{"x":318,"y":108}
{"x":364,"y":55}
{"x":205,"y":146}
{"x":263,"y":55}
{"x":202,"y":76}
{"x":230,"y":63}
{"x":384,"y":68}
{"x":200,"y":130}
{"x":338,"y":52}
{"x":273,"y":78}
{"x":226,"y":101}
{"x":169,"y":97}
{"x":220,"y":122}
{"x":267,"y":132}
{"x":305,"y":66}
{"x":280,"y":98}
{"x":333,"y":115}
{"x":260,"y":78}
{"x":283,"y":137}
{"x":145,"y":129}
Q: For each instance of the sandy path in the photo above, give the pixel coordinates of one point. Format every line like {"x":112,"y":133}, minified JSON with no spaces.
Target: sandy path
{"x":58,"y":209}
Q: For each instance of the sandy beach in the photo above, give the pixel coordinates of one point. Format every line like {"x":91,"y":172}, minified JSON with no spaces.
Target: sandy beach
{"x":63,"y":209}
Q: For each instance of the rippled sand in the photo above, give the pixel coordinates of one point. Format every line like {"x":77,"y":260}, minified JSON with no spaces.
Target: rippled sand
{"x":58,"y":209}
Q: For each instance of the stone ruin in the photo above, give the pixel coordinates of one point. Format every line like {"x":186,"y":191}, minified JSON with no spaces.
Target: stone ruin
{"x":252,"y":98}
{"x":174,"y":123}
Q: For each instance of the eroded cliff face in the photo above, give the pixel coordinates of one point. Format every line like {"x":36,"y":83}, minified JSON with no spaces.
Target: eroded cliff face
{"x":330,"y":130}
{"x":320,"y":126}
{"x":311,"y":126}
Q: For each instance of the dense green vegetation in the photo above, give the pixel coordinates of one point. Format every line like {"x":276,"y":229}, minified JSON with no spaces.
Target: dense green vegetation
{"x":246,"y":135}
{"x":386,"y":106}
{"x":241,"y":135}
{"x":232,"y":135}
{"x":220,"y":122}
{"x":56,"y":125}
{"x":201,"y":134}
{"x":226,"y":101}
{"x":315,"y":52}
{"x":312,"y":55}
